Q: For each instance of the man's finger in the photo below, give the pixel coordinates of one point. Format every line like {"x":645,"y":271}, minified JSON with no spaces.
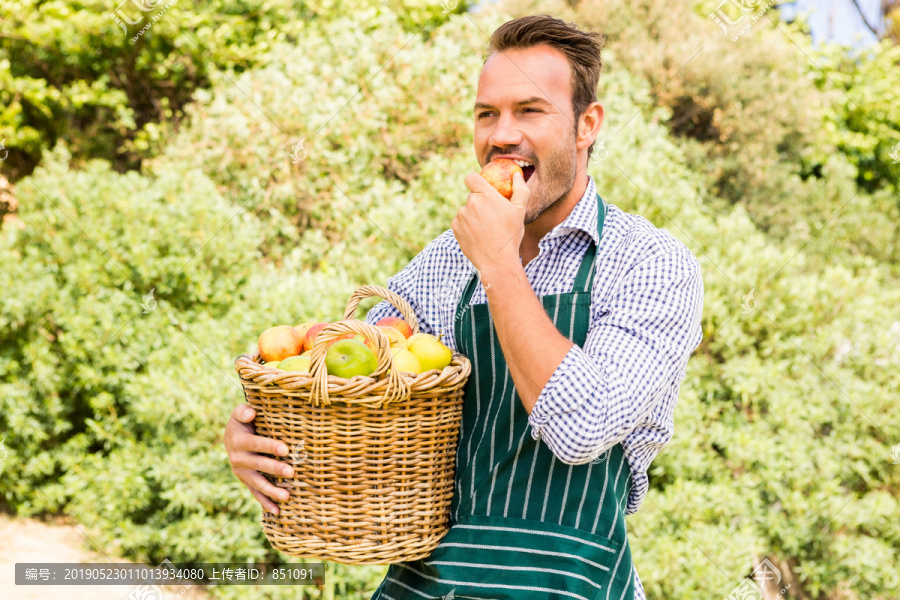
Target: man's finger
{"x":521,"y":192}
{"x":258,"y":462}
{"x":267,"y":504}
{"x":243,"y":413}
{"x":254,"y":481}
{"x":476,"y":183}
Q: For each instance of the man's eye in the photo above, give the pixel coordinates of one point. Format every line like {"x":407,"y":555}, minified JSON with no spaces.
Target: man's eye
{"x":534,"y":109}
{"x":484,"y":114}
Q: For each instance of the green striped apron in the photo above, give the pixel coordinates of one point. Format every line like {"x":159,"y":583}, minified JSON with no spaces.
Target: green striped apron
{"x":523,"y":525}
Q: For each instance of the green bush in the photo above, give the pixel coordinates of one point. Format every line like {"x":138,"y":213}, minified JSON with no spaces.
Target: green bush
{"x":88,"y":72}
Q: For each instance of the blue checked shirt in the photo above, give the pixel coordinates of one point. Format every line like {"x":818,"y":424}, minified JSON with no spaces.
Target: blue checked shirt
{"x":646,"y":302}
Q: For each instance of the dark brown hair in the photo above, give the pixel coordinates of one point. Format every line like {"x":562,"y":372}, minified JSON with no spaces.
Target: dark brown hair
{"x":581,"y":48}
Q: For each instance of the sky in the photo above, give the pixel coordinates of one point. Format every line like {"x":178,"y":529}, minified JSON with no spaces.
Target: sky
{"x":838,"y":20}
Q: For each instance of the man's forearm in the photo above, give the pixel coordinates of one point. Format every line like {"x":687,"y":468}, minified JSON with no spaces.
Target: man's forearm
{"x":531,"y":343}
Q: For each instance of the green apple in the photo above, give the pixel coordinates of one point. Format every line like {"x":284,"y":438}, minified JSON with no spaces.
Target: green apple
{"x":430,"y":351}
{"x":295,"y":363}
{"x":348,"y":358}
{"x":272,"y":364}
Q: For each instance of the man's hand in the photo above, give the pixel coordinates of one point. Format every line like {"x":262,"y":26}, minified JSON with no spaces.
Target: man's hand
{"x":490,"y":228}
{"x":242,"y":445}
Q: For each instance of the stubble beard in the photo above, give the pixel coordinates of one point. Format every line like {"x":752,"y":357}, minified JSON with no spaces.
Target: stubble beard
{"x":558,"y":174}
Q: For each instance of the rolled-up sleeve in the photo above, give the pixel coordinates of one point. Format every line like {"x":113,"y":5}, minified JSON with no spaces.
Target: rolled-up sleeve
{"x":635,"y":352}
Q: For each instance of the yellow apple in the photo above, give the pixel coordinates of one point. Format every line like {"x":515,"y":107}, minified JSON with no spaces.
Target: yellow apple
{"x":405,"y":360}
{"x":419,"y":336}
{"x":430,"y":351}
{"x":272,"y":364}
{"x":295,"y":363}
{"x":394,"y":335}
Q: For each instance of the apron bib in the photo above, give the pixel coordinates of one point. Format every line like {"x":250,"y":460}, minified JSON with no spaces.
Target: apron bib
{"x":523,"y":525}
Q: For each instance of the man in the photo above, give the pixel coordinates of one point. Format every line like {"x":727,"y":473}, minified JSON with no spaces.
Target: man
{"x":579,"y":325}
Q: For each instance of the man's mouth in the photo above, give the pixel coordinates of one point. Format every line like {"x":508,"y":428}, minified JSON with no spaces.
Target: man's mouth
{"x":527,"y":168}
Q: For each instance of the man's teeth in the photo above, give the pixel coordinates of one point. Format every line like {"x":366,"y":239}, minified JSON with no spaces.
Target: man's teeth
{"x":523,"y":163}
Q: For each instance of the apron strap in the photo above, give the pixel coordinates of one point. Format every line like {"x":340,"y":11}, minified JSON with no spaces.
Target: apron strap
{"x":584,"y":277}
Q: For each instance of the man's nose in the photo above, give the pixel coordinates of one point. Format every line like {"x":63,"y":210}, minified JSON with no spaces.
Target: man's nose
{"x":506,"y":132}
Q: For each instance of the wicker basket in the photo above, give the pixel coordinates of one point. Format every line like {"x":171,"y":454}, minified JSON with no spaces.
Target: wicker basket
{"x":373,"y":456}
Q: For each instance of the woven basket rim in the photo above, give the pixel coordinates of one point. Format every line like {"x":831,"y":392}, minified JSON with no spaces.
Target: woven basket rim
{"x":386,"y":385}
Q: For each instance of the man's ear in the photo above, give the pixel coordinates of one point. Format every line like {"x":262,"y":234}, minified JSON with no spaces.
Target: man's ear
{"x":589,"y":125}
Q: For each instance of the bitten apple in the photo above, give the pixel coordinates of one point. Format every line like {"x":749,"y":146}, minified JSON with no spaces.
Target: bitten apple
{"x":398,"y":324}
{"x":499,"y":173}
{"x":279,"y":342}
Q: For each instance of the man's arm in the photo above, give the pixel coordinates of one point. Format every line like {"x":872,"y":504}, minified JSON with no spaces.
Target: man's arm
{"x":583,"y":401}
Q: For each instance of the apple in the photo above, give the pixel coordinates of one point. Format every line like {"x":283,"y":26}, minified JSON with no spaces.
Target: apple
{"x":310,"y":337}
{"x":405,"y":360}
{"x":348,"y":358}
{"x":499,"y":173}
{"x":272,"y":364}
{"x":419,"y":336}
{"x":343,"y":336}
{"x":393,"y":334}
{"x":302,"y":328}
{"x":398,"y":324}
{"x":279,"y":342}
{"x":430,"y":351}
{"x":295,"y":363}
{"x":355,"y":336}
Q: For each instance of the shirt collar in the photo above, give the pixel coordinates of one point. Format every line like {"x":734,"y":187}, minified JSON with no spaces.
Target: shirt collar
{"x":583,"y":217}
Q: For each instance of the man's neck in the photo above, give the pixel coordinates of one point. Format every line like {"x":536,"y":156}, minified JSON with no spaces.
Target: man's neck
{"x":550,"y":218}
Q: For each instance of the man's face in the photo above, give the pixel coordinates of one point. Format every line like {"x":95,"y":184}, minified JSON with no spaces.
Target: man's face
{"x":523,"y":109}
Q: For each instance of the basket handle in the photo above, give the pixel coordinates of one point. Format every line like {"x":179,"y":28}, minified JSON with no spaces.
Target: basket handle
{"x":368,"y":291}
{"x":398,"y":387}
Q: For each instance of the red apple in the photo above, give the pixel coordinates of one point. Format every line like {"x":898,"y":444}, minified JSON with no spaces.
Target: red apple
{"x":277,"y":343}
{"x":398,"y":324}
{"x":312,"y":333}
{"x":302,"y":328}
{"x":499,"y":173}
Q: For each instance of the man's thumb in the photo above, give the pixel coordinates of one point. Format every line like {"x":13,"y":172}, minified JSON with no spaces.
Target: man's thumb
{"x":521,"y":193}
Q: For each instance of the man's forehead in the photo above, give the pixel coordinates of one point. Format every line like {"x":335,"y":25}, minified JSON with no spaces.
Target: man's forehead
{"x":514,"y":75}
